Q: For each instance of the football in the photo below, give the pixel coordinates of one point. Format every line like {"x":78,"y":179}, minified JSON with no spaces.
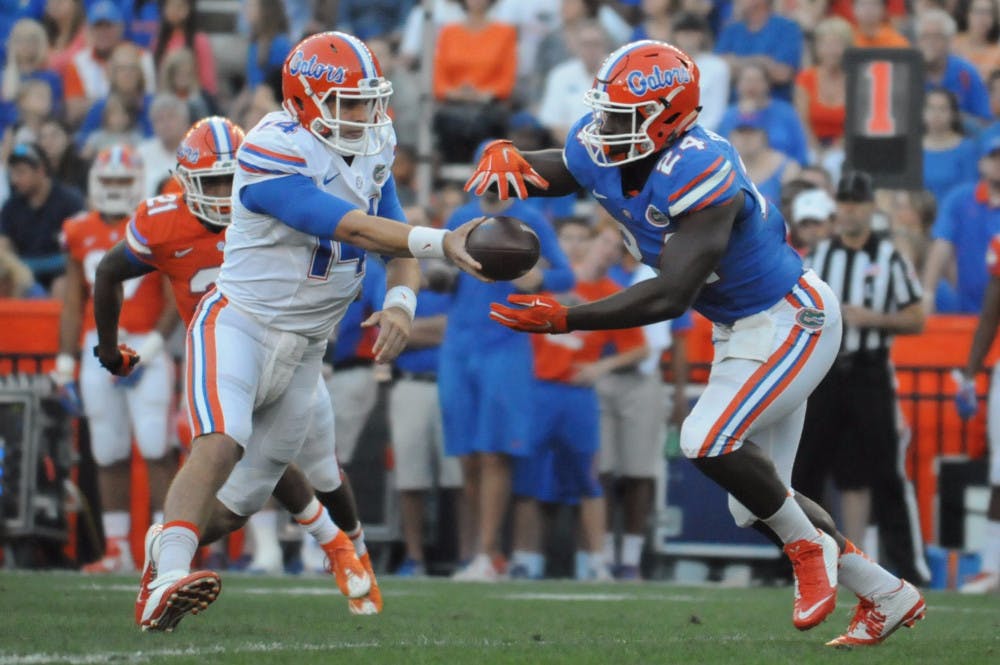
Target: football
{"x":506,"y":247}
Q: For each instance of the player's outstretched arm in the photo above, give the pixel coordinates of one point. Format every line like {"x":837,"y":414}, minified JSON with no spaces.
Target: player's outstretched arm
{"x":115,"y":267}
{"x":686,"y":263}
{"x":986,"y":329}
{"x":395,"y":319}
{"x":509,"y":171}
{"x":299,"y":203}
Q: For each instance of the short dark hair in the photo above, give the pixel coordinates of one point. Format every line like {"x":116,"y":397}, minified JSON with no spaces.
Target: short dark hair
{"x":29,"y":153}
{"x":692,"y":22}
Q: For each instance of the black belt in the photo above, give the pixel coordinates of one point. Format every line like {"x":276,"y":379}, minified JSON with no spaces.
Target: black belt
{"x":425,"y":377}
{"x":351,"y":363}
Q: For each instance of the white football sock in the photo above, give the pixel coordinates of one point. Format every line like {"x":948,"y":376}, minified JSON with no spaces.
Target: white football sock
{"x":991,"y":548}
{"x":533,"y":562}
{"x":790,"y":523}
{"x":862,"y":575}
{"x":178,"y":543}
{"x":632,"y":544}
{"x":316,"y":520}
{"x":116,"y":524}
{"x":610,"y":553}
{"x":157,"y":517}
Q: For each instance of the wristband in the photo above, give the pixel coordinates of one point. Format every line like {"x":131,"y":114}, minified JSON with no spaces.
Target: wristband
{"x":426,"y":243}
{"x":151,"y":346}
{"x":402,"y":297}
{"x":65,"y":365}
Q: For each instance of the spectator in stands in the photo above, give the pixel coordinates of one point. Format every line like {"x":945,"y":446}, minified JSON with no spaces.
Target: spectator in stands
{"x":27,"y":58}
{"x":88,"y":77}
{"x":269,"y":40}
{"x":768,"y":168}
{"x":935,"y":31}
{"x":911,"y":216}
{"x":443,"y":13}
{"x":656,"y":22}
{"x":407,"y":88}
{"x":417,"y":434}
{"x":755,"y":106}
{"x":178,"y":77}
{"x":562,"y":98}
{"x":693,"y":35}
{"x":475,"y":70}
{"x":32,"y":217}
{"x":369,"y":19}
{"x":821,"y":90}
{"x":993,"y":85}
{"x":67,"y":166}
{"x":119,"y":126}
{"x":851,"y":419}
{"x":177,"y":31}
{"x":16,"y":280}
{"x":404,"y":172}
{"x":967,"y":218}
{"x":872,"y":28}
{"x":63,"y":21}
{"x":126,"y":82}
{"x":633,"y":428}
{"x":32,"y":106}
{"x":554,"y":47}
{"x":142,"y":20}
{"x":171,"y":118}
{"x":818,"y":177}
{"x":949,"y":157}
{"x":767,"y":40}
{"x":811,"y":219}
{"x":978,"y":44}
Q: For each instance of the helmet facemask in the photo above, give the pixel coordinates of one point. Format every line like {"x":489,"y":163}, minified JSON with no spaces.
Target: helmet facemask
{"x":116,"y":189}
{"x":334,"y":130}
{"x":214,"y":210}
{"x":630,"y":123}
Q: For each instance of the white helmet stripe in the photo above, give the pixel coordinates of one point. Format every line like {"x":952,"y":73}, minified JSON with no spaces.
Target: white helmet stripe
{"x":612,"y":61}
{"x":223,"y":146}
{"x":360,"y":50}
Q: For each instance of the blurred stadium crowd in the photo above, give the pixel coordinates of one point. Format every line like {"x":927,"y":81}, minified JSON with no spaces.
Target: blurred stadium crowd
{"x":80,"y":76}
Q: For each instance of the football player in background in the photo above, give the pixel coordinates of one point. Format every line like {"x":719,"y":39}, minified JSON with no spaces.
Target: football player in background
{"x":312,"y":194}
{"x":686,"y":207}
{"x":182,"y":236}
{"x":117,"y":408}
{"x":988,"y":579}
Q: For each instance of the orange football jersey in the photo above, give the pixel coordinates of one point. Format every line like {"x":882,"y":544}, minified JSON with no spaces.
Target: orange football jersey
{"x":556,"y":356}
{"x":165,"y":234}
{"x":87,"y":238}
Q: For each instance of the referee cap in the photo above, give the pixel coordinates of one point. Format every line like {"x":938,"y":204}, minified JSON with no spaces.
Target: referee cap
{"x":855,"y":186}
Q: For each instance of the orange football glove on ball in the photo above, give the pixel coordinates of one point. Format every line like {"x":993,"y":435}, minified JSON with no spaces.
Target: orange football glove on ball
{"x":537,"y":314}
{"x":502,"y":164}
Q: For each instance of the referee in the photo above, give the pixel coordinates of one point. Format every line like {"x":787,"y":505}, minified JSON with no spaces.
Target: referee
{"x":851,"y":417}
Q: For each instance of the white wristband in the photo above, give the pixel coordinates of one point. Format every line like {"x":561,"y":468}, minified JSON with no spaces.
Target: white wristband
{"x":402,"y":297}
{"x":151,"y":346}
{"x":426,"y":243}
{"x":65,"y":365}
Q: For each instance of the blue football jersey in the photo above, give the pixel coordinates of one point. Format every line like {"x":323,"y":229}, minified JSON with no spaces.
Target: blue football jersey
{"x":699,"y":171}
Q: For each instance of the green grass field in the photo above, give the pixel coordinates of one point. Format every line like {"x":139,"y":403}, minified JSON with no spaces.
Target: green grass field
{"x":68,"y":618}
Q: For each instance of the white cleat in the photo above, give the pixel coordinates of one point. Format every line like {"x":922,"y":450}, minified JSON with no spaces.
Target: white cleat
{"x":878,"y":617}
{"x":480,"y":569}
{"x":176,"y":594}
{"x":981,"y":583}
{"x":148,"y":569}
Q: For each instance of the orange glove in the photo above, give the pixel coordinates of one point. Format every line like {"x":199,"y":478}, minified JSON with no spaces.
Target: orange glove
{"x":501,"y":163}
{"x":538,"y":314}
{"x":123,"y":364}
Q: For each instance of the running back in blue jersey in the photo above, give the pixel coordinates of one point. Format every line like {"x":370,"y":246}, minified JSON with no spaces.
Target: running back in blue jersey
{"x":699,"y":171}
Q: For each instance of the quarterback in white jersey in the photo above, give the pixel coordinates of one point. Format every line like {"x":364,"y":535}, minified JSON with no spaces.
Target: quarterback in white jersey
{"x":313,"y":192}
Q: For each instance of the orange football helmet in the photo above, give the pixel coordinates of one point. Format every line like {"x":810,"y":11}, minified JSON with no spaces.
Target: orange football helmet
{"x":116,"y":181}
{"x":208,"y":150}
{"x":321,"y":76}
{"x":645,"y":96}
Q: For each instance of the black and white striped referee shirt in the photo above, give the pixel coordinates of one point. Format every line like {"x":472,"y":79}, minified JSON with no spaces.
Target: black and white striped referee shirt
{"x":876,"y":276}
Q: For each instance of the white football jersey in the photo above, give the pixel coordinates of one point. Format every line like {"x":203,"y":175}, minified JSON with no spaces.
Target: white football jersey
{"x":284,"y":278}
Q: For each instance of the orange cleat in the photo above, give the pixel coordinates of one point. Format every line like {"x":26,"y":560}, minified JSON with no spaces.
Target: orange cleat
{"x":372,"y":603}
{"x":117,"y":559}
{"x":814,"y":563}
{"x":878,"y":617}
{"x":351,"y":576}
{"x":174,"y":595}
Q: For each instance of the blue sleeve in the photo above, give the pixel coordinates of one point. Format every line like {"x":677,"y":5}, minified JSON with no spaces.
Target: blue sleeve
{"x":558,"y":277}
{"x":389,"y":205}
{"x":727,"y":40}
{"x":298,"y":202}
{"x":944,"y":225}
{"x":979,"y":97}
{"x":682,"y":323}
{"x":799,"y":148}
{"x":280,"y":47}
{"x":788,"y":43}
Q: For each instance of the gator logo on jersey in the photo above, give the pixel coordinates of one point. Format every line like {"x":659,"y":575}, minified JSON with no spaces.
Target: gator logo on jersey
{"x":313,"y":69}
{"x":380,"y":173}
{"x":810,"y":319}
{"x":639,"y":82}
{"x":656,"y":217}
